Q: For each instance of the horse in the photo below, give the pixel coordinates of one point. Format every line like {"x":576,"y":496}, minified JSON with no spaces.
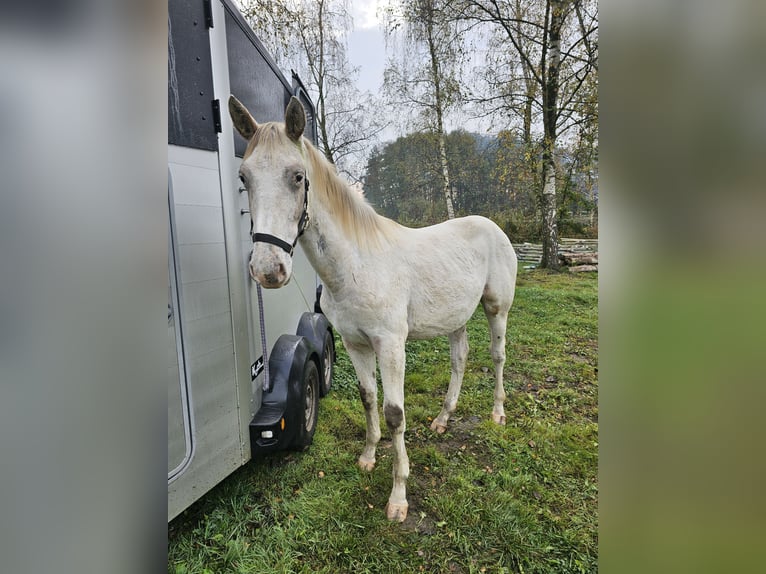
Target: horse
{"x":384,"y":283}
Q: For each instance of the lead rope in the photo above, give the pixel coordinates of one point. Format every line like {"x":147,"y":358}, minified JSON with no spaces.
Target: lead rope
{"x":302,"y":224}
{"x":263,"y":339}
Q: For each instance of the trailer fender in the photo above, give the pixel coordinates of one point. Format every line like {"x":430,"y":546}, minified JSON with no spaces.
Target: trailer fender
{"x":278,"y":423}
{"x":317,"y":329}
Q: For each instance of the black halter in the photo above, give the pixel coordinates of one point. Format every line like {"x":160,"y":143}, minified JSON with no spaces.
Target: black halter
{"x":302,"y":224}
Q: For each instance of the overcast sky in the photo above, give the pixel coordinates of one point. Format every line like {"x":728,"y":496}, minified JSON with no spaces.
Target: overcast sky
{"x":366,"y":45}
{"x":367,"y":50}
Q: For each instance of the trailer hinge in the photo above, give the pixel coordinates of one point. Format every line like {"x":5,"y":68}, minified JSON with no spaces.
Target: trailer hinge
{"x":208,"y":5}
{"x":217,"y":115}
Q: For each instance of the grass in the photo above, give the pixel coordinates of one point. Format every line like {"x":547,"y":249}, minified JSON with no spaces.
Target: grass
{"x":483,"y":498}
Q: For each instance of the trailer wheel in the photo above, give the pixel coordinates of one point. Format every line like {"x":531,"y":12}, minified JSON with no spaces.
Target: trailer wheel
{"x":309,"y":403}
{"x":328,"y":360}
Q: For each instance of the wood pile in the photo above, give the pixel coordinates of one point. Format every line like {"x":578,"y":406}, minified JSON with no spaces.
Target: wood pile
{"x":578,"y":245}
{"x":529,"y":252}
{"x":581,"y":268}
{"x":577,"y":255}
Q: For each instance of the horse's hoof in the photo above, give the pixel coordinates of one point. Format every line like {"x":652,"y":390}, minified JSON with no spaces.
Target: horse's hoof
{"x":498,"y":419}
{"x":396,"y":512}
{"x":366,"y":465}
{"x":438,"y":427}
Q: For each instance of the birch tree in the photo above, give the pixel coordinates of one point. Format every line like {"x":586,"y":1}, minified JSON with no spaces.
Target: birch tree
{"x":311,"y":36}
{"x":424,"y":75}
{"x":551,"y":45}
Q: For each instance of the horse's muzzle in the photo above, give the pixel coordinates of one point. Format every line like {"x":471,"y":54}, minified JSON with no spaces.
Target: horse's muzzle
{"x":276,"y":276}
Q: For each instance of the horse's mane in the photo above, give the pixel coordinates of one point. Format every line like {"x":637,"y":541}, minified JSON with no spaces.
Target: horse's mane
{"x":358,"y":218}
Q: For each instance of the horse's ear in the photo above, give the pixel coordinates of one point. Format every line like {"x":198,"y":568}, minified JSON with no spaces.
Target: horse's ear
{"x":243,"y":121}
{"x":295,"y":119}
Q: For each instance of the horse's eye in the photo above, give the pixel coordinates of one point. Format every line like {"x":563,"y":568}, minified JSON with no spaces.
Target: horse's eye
{"x":298,"y":177}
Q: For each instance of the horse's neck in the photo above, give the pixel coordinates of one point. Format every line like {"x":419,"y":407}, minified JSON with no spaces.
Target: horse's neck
{"x":331,"y":252}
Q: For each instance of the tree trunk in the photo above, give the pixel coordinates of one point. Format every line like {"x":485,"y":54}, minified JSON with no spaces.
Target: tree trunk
{"x":438,"y":96}
{"x":320,"y":81}
{"x":528,"y":109}
{"x":552,"y":59}
{"x":529,"y":84}
{"x":550,"y":228}
{"x":445,"y":175}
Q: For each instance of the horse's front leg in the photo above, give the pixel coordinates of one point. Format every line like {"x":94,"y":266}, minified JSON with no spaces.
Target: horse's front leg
{"x":363,"y":359}
{"x":391,"y":360}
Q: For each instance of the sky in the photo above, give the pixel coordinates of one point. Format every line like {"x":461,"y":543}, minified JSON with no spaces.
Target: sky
{"x":367,"y":50}
{"x":366,"y":45}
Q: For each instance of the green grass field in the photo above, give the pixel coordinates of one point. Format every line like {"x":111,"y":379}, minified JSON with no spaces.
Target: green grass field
{"x":483,"y":498}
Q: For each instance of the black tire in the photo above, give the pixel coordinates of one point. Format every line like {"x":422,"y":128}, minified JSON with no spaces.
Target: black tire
{"x":328,"y":362}
{"x":309,"y":406}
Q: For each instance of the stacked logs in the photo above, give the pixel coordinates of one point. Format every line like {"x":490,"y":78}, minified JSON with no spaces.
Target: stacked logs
{"x":576,"y":254}
{"x":529,"y":252}
{"x":579,"y":262}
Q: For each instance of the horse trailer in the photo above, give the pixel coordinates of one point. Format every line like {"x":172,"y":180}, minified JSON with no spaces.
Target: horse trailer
{"x":246,"y":368}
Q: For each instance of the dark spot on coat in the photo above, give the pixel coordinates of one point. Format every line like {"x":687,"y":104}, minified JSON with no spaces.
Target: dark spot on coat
{"x":367,"y":398}
{"x":394,"y":416}
{"x":321,"y":243}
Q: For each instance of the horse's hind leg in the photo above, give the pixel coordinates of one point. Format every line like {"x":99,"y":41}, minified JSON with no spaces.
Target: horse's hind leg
{"x":497,"y":315}
{"x":458,"y":347}
{"x":363,"y":359}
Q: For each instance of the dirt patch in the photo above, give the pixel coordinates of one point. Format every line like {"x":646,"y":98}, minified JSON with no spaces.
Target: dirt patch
{"x":533,"y":386}
{"x":417,"y":520}
{"x":459,"y":434}
{"x":578,"y":358}
{"x":462,"y":441}
{"x":464,"y":424}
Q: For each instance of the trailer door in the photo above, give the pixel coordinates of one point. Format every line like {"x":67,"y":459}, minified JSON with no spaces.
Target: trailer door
{"x":179,"y":411}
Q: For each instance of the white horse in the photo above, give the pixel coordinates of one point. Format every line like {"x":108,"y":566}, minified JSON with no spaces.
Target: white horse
{"x":383,"y":283}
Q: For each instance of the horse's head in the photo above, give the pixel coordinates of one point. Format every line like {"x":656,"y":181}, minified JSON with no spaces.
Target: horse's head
{"x":273,"y":171}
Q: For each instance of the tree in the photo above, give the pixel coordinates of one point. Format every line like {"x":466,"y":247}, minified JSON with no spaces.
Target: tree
{"x":516,"y":171}
{"x":403,"y":178}
{"x":552,"y":46}
{"x":311,"y":36}
{"x":425,"y":77}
